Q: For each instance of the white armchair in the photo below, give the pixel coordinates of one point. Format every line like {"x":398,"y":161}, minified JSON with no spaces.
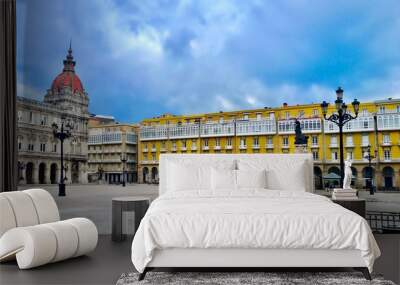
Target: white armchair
{"x":31,"y":230}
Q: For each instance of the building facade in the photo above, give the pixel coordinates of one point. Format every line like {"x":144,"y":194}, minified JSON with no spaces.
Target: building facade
{"x":112,"y":151}
{"x":38,"y":150}
{"x":271,"y":130}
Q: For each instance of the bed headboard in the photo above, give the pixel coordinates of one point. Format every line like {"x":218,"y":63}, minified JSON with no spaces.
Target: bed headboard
{"x":210,"y":159}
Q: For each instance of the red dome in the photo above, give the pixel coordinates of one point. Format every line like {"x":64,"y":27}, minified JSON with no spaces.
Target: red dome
{"x":67,"y":79}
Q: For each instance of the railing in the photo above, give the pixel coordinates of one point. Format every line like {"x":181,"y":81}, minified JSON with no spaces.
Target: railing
{"x":184,"y":131}
{"x":384,"y":222}
{"x":153,"y":132}
{"x":217,"y":129}
{"x":106,"y":138}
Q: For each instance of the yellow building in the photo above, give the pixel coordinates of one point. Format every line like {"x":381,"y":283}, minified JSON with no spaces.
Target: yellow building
{"x":271,"y":130}
{"x":112,"y":152}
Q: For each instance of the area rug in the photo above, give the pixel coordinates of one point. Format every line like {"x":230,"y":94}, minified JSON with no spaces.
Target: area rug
{"x":273,"y":278}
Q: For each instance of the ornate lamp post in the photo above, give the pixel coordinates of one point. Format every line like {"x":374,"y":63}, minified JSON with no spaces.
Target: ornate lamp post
{"x":123,"y":160}
{"x":62,"y":134}
{"x":340,"y":119}
{"x":369,"y":157}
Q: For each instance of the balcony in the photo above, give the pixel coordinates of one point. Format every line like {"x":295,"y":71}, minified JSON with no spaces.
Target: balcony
{"x":388,"y":121}
{"x":256,"y":146}
{"x":159,"y":132}
{"x":145,"y":149}
{"x":183,"y":131}
{"x":193,"y":148}
{"x":285,"y":146}
{"x":217,"y":147}
{"x":205,"y":147}
{"x":349,"y":144}
{"x":217,"y":129}
{"x":333,"y":145}
{"x":314,"y":145}
{"x":255,"y":127}
{"x":243,"y":146}
{"x":183,"y":148}
{"x":173,"y":149}
{"x":310,"y":125}
{"x":163,"y":149}
{"x":269,"y":146}
{"x":149,"y":162}
{"x":365,"y":144}
{"x":361,"y":124}
{"x":386,"y":143}
{"x":153,"y":149}
{"x":228,"y":147}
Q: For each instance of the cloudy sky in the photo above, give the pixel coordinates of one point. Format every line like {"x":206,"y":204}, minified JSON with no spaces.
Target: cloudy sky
{"x":138,"y":59}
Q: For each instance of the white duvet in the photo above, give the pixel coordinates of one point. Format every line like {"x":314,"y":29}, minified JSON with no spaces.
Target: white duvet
{"x":250,"y":219}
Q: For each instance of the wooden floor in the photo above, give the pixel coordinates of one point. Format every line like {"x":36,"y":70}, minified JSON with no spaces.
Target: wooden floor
{"x":111,"y":259}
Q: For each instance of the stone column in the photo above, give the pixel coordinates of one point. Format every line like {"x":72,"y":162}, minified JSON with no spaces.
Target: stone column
{"x":47,"y":174}
{"x":35,"y":173}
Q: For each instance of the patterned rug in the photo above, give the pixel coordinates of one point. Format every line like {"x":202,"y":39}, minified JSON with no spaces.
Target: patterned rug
{"x":229,"y":278}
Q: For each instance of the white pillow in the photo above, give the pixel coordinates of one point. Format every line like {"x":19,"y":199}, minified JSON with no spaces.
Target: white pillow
{"x":280,"y":181}
{"x":223,"y":179}
{"x":184,"y":178}
{"x":251,"y":178}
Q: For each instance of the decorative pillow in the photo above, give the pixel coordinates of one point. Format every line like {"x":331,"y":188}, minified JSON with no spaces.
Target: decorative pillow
{"x":184,"y":178}
{"x":223,"y":179}
{"x":251,"y":178}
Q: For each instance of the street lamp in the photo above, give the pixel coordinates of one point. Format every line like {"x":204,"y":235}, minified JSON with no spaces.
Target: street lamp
{"x":340,"y":119}
{"x":62,"y":134}
{"x":369,"y":157}
{"x":123,"y":160}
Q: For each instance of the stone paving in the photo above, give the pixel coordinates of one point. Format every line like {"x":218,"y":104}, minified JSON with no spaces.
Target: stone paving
{"x":93,"y":201}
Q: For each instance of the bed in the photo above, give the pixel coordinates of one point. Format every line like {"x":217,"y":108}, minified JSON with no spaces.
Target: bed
{"x":245,"y":211}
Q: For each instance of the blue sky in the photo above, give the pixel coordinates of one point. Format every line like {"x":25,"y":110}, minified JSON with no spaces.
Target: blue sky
{"x":139,"y":59}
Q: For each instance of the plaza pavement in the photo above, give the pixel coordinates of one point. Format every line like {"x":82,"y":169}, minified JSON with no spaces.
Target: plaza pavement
{"x":93,"y":201}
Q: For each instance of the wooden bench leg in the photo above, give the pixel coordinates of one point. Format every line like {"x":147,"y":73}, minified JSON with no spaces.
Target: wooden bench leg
{"x":364,"y":271}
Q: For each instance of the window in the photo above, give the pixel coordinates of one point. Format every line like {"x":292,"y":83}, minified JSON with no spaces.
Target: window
{"x":315,"y":155}
{"x":398,"y":108}
{"x":386,"y":139}
{"x":334,"y":155}
{"x":55,"y":147}
{"x":269,"y":141}
{"x":243,"y":142}
{"x":217,"y":142}
{"x":19,"y":116}
{"x":229,"y":141}
{"x":153,"y":156}
{"x":145,"y":156}
{"x":285,"y":141}
{"x":333,"y":140}
{"x":287,"y":115}
{"x":153,"y":146}
{"x":221,"y":120}
{"x":174,"y":144}
{"x":301,"y":114}
{"x":42,"y":147}
{"x":183,"y":143}
{"x":314,"y":140}
{"x":365,"y":140}
{"x":205,"y":142}
{"x":315,"y":112}
{"x":255,"y":141}
{"x":245,"y":116}
{"x":19,"y":143}
{"x":387,"y":154}
{"x":364,"y":112}
{"x":271,"y":116}
{"x":31,"y":117}
{"x":382,"y":109}
{"x":349,"y":155}
{"x":258,"y":117}
{"x":163,"y":144}
{"x":43,"y":120}
{"x":349,"y":140}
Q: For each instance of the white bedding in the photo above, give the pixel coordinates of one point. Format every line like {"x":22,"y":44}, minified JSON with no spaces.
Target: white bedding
{"x":250,"y":219}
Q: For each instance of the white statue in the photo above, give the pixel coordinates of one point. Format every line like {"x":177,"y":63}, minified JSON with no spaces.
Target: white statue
{"x":348,"y":174}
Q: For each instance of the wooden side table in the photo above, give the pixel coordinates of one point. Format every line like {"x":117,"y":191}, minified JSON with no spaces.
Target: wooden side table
{"x":139,"y":205}
{"x":357,"y":206}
